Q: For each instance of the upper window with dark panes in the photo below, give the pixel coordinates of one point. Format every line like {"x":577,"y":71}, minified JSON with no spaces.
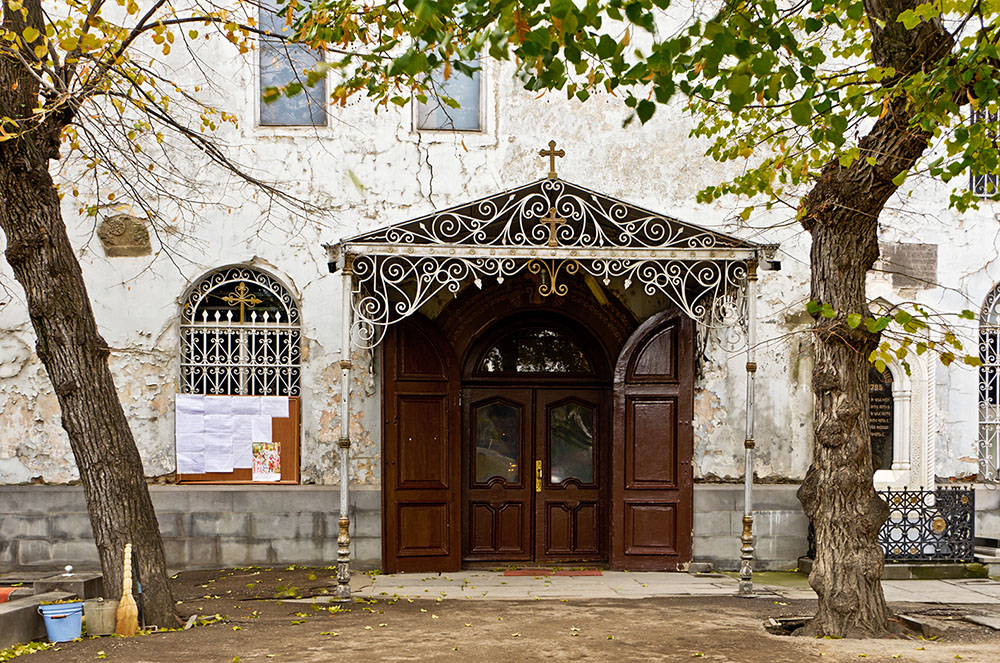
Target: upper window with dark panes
{"x":284,"y":63}
{"x":453,"y":100}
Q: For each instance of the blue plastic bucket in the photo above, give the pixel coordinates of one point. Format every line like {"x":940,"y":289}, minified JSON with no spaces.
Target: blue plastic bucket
{"x":63,"y":621}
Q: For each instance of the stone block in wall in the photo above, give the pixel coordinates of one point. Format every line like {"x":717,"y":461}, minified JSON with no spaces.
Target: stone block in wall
{"x":32,"y":552}
{"x":364,"y":524}
{"x":8,"y":552}
{"x":781,"y":523}
{"x":41,"y":500}
{"x":296,"y":551}
{"x":780,"y":552}
{"x":987,"y":523}
{"x":723,"y":552}
{"x":366,"y":499}
{"x":987,"y":498}
{"x":244,"y":553}
{"x":709,"y":497}
{"x":207,"y":525}
{"x":168,"y":499}
{"x":202,"y":553}
{"x":175,"y":551}
{"x":713,"y":523}
{"x":215,"y":499}
{"x":302,"y":525}
{"x":367,"y":553}
{"x":75,"y":552}
{"x":71,"y":526}
{"x":284,"y":499}
{"x":171,"y":525}
{"x":771,"y":497}
{"x":23,"y":527}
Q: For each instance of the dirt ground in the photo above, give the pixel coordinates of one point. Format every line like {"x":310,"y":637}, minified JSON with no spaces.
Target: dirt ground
{"x":264,"y":621}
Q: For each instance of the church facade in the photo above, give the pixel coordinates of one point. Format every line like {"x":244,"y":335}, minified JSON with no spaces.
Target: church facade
{"x":526,"y":352}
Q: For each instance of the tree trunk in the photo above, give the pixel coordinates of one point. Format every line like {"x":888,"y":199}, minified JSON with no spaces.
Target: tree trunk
{"x":68,"y":343}
{"x":841,"y":212}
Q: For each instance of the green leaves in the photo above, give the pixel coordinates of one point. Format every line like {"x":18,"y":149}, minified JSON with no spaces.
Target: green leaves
{"x":801,"y":113}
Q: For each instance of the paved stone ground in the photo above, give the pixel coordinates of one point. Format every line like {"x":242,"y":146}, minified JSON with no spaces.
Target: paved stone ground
{"x":641,"y":585}
{"x":285,"y":614}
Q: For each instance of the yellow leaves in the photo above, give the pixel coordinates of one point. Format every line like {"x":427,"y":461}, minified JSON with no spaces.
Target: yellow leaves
{"x":132,"y":7}
{"x":30,"y":34}
{"x":69,"y":43}
{"x":41,"y":51}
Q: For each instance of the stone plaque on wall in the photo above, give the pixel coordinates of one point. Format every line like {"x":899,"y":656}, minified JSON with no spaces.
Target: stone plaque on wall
{"x":880,"y":418}
{"x":124,"y":235}
{"x":910,"y":265}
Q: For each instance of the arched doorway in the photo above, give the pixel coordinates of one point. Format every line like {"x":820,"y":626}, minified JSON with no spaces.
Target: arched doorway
{"x":544,"y":435}
{"x":536,"y":396}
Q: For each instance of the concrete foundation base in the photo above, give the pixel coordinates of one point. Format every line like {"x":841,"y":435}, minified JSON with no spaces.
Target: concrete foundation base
{"x":20,"y":621}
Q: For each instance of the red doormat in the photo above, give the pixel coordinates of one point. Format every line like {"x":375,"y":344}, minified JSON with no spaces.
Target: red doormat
{"x":551,"y":572}
{"x":5,"y":593}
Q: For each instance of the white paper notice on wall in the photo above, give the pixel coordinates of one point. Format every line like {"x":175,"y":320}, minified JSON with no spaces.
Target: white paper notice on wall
{"x":248,"y":405}
{"x":261,"y":429}
{"x":218,"y":405}
{"x":242,"y":440}
{"x":274,"y":406}
{"x":218,"y":442}
{"x":189,"y":433}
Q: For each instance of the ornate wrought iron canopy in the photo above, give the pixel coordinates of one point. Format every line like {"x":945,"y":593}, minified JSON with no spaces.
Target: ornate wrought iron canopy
{"x":552,"y":228}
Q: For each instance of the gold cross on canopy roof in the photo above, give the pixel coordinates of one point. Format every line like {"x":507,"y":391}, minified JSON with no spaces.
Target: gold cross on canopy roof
{"x":552,"y":153}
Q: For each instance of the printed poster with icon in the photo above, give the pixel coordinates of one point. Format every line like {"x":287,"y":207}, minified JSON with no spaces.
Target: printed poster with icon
{"x":266,"y":461}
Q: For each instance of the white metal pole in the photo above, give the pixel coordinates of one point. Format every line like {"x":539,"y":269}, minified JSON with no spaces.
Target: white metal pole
{"x":344,"y":536}
{"x":746,"y":539}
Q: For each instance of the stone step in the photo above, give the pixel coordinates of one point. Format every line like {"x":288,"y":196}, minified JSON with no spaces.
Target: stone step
{"x":20,"y":621}
{"x":924,"y":571}
{"x":85,"y":585}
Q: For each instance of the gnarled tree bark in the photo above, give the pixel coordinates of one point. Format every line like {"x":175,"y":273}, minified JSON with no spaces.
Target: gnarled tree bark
{"x":67,"y":340}
{"x":841,"y":212}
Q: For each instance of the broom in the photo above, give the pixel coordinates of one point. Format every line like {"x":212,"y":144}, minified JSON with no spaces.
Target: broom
{"x":128,"y":613}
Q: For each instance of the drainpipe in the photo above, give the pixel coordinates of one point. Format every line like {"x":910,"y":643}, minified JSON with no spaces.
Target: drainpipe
{"x":746,"y":539}
{"x":344,"y":444}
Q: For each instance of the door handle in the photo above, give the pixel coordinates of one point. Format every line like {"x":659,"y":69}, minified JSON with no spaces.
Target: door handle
{"x":538,"y":476}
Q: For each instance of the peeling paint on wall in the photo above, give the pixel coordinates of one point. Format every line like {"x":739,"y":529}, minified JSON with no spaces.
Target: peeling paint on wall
{"x":369,"y":170}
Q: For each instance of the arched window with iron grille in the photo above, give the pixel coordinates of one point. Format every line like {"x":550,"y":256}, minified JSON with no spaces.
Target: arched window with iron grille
{"x":989,"y":387}
{"x":240,"y":336}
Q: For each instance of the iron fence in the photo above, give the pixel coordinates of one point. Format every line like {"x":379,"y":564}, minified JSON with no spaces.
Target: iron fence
{"x":926,"y":525}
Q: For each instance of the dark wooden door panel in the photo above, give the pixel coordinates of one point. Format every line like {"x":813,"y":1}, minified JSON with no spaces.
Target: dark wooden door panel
{"x":421,"y":447}
{"x":570,"y":439}
{"x":496,"y":474}
{"x":650,"y":442}
{"x":650,"y":528}
{"x":652,"y":479}
{"x":423,"y":529}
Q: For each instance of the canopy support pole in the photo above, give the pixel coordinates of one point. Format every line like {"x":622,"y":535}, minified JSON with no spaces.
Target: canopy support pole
{"x":344,"y":444}
{"x":747,"y":539}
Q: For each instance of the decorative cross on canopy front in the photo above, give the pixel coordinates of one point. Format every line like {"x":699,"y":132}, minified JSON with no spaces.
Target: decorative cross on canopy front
{"x":547,"y":227}
{"x":553,"y":222}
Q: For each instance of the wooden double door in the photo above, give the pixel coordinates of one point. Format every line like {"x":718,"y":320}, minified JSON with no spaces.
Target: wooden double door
{"x":529,"y":450}
{"x":534,"y":474}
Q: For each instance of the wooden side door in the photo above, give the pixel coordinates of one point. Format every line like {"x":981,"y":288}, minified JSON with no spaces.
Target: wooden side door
{"x":569,"y":482}
{"x":421,"y":450}
{"x":653,"y":443}
{"x":497,"y":474}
